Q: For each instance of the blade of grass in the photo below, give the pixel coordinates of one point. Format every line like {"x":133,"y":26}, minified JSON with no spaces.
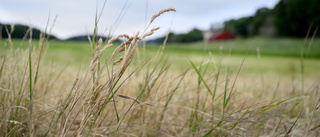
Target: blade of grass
{"x":215,"y":89}
{"x":225,"y":101}
{"x":208,"y":134}
{"x":66,"y":105}
{"x":30,"y":83}
{"x":198,"y":92}
{"x":234,"y":82}
{"x":170,"y":97}
{"x":245,"y":113}
{"x":43,"y":44}
{"x":131,"y":106}
{"x":293,"y":123}
{"x":269,"y":107}
{"x":200,"y":76}
{"x":2,"y":66}
{"x":108,"y":99}
{"x":312,"y":116}
{"x":312,"y":39}
{"x":302,"y":65}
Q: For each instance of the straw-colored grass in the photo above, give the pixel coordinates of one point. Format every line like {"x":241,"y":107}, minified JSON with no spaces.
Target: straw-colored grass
{"x":116,"y":94}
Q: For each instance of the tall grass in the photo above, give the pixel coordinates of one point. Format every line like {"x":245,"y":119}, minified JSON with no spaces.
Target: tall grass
{"x":118,"y":95}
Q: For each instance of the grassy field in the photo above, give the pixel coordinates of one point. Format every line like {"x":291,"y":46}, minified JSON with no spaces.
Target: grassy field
{"x":192,"y":89}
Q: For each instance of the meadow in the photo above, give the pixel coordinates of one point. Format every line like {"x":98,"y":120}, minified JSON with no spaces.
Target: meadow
{"x":245,"y":87}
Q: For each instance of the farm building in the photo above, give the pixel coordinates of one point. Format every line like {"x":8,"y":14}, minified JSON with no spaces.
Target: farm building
{"x":210,"y":36}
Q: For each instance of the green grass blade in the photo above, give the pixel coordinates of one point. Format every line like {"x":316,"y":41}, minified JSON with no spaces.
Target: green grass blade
{"x":272,"y":106}
{"x":293,"y":124}
{"x":200,"y":76}
{"x":30,"y":82}
{"x":208,"y":133}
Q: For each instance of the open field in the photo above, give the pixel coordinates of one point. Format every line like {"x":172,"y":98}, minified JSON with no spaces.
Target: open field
{"x":189,"y":89}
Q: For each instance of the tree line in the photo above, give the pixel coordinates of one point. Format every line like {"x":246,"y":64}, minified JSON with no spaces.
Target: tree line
{"x":19,"y":31}
{"x":289,"y":18}
{"x":192,"y":36}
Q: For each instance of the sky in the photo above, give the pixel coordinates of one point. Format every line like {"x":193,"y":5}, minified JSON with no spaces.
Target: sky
{"x":77,"y":17}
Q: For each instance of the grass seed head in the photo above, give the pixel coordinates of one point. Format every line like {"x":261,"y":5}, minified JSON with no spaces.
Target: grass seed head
{"x":161,"y":12}
{"x":147,"y":34}
{"x":95,"y":65}
{"x":151,"y":32}
{"x":119,"y":60}
{"x":113,"y":39}
{"x":107,"y":46}
{"x":99,"y":44}
{"x":124,"y":35}
{"x":155,"y":29}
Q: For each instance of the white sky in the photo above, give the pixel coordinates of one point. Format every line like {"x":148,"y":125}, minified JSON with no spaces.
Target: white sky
{"x":76,"y":17}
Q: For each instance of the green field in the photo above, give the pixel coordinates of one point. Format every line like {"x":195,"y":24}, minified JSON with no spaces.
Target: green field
{"x":188,"y":89}
{"x":266,"y":47}
{"x":274,"y":56}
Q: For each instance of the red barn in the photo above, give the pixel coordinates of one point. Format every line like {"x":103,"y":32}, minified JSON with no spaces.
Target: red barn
{"x":222,"y":35}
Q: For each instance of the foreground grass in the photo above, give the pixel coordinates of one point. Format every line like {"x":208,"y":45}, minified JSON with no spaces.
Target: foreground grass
{"x":182,"y":91}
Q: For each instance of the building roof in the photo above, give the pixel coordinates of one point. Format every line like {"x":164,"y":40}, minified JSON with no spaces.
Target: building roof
{"x":222,"y":35}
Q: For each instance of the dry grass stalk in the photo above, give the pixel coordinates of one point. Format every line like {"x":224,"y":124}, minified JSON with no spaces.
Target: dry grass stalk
{"x":133,"y":99}
{"x":85,"y":100}
{"x":99,"y":44}
{"x":124,"y":35}
{"x":113,"y":39}
{"x":155,"y":29}
{"x":161,"y":12}
{"x":117,"y":38}
{"x":151,"y":32}
{"x":95,"y":60}
{"x":97,"y":54}
{"x":140,"y":39}
{"x":119,"y":60}
{"x":87,"y":96}
{"x":121,"y":47}
{"x":129,"y":54}
{"x":95,"y":65}
{"x":129,"y":46}
{"x":105,"y":47}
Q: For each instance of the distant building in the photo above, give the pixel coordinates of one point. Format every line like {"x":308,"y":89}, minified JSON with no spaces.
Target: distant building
{"x":210,"y":36}
{"x":267,"y":28}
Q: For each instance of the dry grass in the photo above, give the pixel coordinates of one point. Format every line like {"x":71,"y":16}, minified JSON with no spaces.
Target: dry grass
{"x":122,"y":96}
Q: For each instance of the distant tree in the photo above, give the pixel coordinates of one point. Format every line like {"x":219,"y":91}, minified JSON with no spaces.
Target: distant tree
{"x":294,"y":17}
{"x":171,"y":38}
{"x":192,"y":36}
{"x":241,"y":27}
{"x":85,"y":38}
{"x":19,"y":31}
{"x":258,"y":24}
{"x":259,"y":19}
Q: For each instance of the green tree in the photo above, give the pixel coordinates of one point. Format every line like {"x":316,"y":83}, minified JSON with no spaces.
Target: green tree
{"x":259,"y":19}
{"x":19,"y":31}
{"x":192,"y":36}
{"x":294,"y":17}
{"x":240,"y":26}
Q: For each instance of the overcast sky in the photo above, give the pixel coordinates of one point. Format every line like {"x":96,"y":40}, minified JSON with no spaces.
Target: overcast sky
{"x":76,"y":17}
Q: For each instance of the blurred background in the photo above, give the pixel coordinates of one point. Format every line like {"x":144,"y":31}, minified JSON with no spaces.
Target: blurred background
{"x":259,"y":58}
{"x":194,"y":20}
